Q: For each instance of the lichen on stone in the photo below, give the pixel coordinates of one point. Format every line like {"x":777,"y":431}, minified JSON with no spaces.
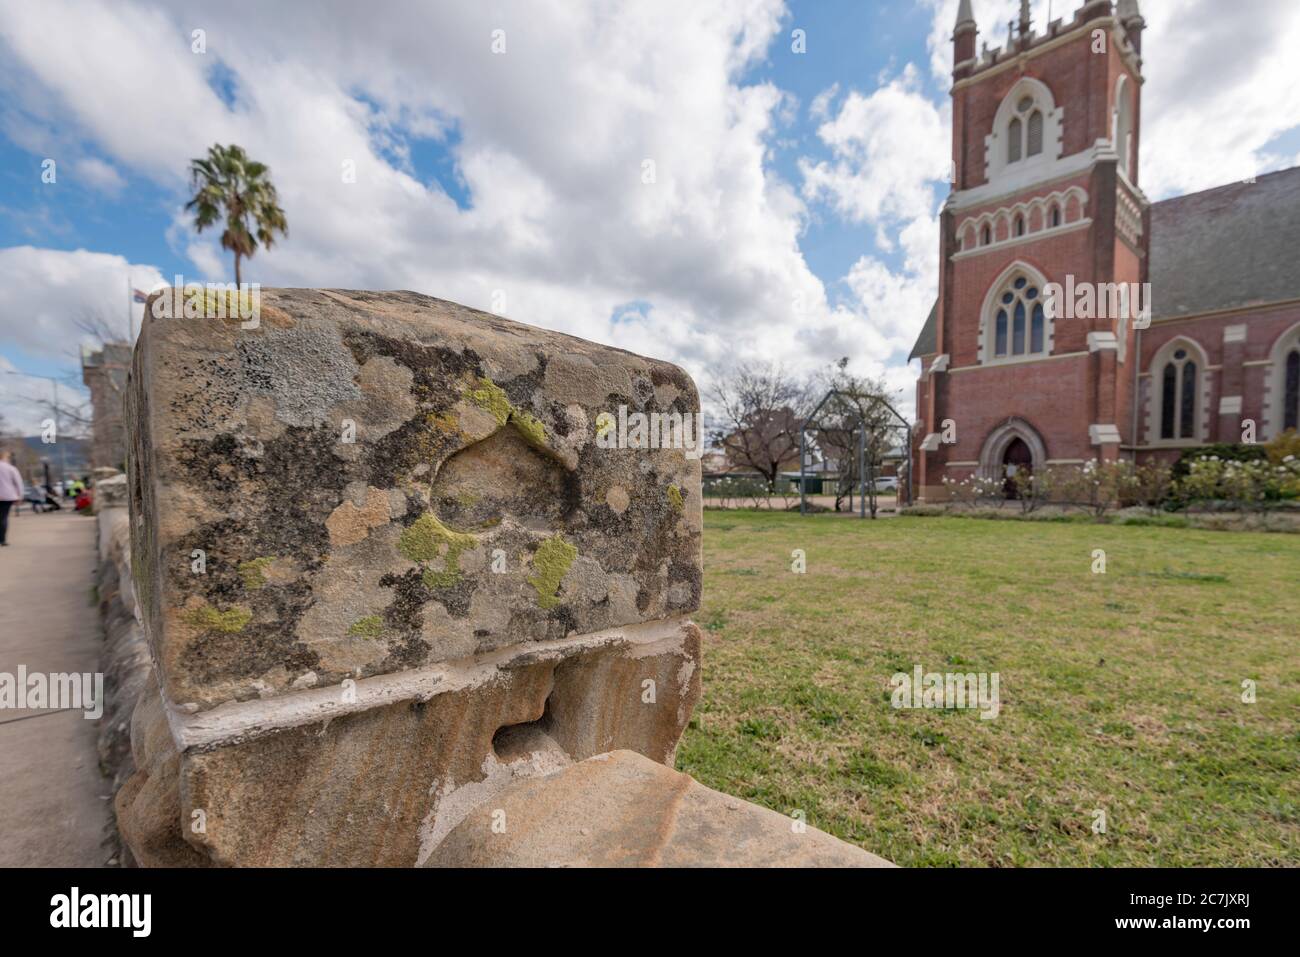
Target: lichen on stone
{"x":254,"y":572}
{"x":530,"y":427}
{"x":551,"y":561}
{"x":675,"y":498}
{"x":444,"y":421}
{"x":426,"y":540}
{"x":230,"y":622}
{"x":371,"y":626}
{"x":493,"y":398}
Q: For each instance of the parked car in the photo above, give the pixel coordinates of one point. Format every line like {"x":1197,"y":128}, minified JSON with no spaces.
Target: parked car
{"x":887,"y":483}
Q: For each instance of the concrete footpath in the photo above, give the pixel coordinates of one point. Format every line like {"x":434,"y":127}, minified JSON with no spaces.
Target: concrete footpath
{"x":54,"y":803}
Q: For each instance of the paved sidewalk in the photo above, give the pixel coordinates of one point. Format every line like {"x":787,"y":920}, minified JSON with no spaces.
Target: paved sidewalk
{"x":53,"y":801}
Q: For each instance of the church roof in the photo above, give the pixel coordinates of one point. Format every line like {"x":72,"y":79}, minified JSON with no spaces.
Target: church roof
{"x":928,"y":341}
{"x":1227,"y":247}
{"x":1222,"y":248}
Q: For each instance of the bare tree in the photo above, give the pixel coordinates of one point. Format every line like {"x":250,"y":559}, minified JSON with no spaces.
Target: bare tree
{"x":762,"y":408}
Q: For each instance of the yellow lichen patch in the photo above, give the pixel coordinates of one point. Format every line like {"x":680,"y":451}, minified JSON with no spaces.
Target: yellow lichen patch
{"x":371,"y":626}
{"x":254,"y":572}
{"x":551,"y":562}
{"x":427,"y":540}
{"x":205,"y":617}
{"x":348,"y":524}
{"x":529,"y":427}
{"x":492,"y":397}
{"x":675,"y":498}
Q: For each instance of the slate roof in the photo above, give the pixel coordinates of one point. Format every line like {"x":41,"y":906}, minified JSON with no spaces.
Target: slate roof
{"x":1228,"y":247}
{"x":927,"y":341}
{"x":1223,"y":248}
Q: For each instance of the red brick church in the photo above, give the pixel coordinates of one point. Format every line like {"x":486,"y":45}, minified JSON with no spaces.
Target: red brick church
{"x":1046,"y":145}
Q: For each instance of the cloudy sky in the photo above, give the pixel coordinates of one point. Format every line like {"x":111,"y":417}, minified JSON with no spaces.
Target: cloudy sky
{"x":690,"y":179}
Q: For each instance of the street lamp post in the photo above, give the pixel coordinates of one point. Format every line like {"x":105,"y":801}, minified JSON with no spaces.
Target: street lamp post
{"x":58,"y":426}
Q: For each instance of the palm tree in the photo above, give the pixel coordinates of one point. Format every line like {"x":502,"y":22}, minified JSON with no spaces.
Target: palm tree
{"x":228,"y":182}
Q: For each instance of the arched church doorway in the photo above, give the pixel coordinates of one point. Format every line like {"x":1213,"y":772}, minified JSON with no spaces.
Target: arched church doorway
{"x":1017,"y":457}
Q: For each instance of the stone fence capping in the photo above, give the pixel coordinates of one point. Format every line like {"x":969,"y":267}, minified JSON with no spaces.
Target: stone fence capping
{"x":398,"y":601}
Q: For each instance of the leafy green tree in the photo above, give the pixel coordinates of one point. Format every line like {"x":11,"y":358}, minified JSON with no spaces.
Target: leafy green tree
{"x":228,"y":185}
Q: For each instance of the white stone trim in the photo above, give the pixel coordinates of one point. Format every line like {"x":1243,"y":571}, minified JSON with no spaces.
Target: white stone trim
{"x":962,"y":465}
{"x":1155,"y":394}
{"x":1230,"y":405}
{"x":984,"y":353}
{"x":1066,"y":167}
{"x":973,"y":226}
{"x":1235,"y":333}
{"x":1102,"y":340}
{"x":931,"y":442}
{"x":1018,"y":360}
{"x":995,"y":446}
{"x":940,"y":364}
{"x":1275,"y":383}
{"x":1103,"y":434}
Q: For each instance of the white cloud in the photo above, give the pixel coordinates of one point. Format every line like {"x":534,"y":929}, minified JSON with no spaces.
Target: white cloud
{"x":99,"y":175}
{"x":888,"y":149}
{"x":44,"y":292}
{"x":552,"y":139}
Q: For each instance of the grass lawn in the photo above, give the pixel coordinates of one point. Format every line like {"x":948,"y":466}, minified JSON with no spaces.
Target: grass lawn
{"x":1119,"y":691}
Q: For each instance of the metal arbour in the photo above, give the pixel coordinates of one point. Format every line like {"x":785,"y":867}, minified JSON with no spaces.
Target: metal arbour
{"x":861,"y":429}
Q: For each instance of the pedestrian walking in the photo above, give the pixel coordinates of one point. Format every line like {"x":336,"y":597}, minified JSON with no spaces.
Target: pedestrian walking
{"x":11,"y":491}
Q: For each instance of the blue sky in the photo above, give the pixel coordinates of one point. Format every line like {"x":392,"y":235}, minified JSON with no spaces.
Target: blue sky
{"x":792,"y":217}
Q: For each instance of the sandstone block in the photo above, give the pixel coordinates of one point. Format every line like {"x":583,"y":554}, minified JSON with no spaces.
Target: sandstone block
{"x":302,"y":781}
{"x":623,"y":810}
{"x":380,"y":482}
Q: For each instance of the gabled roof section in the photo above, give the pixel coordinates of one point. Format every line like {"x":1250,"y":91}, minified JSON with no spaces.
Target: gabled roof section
{"x":1228,"y":247}
{"x":928,"y":341}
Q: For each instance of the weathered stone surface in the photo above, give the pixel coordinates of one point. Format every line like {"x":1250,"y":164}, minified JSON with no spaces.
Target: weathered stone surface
{"x":382,"y":784}
{"x":111,"y":492}
{"x":622,"y":810}
{"x":125,"y":657}
{"x":328,"y":558}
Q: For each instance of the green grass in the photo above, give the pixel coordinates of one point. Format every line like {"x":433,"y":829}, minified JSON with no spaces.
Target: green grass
{"x":1120,"y":692}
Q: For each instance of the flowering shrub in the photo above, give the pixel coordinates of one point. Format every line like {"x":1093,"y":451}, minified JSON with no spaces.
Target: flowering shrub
{"x":1219,"y":483}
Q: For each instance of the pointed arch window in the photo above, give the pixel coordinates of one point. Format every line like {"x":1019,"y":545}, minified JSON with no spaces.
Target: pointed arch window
{"x":987,"y":237}
{"x":1055,"y":218}
{"x":1020,"y":225}
{"x":1025,"y":131}
{"x":1035,"y":134}
{"x":1178,"y":390}
{"x":1019,"y":323}
{"x":1015,"y":141}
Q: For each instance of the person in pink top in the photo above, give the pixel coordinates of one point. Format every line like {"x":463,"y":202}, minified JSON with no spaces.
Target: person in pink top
{"x":11,"y":491}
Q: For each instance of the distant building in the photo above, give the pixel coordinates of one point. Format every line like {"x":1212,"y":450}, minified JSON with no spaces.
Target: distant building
{"x":104,"y":372}
{"x":1046,"y":195}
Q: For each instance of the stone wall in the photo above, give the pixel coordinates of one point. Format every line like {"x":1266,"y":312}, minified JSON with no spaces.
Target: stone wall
{"x":386,"y":574}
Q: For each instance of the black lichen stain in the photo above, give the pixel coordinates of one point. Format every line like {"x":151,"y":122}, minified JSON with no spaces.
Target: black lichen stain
{"x":263,"y":644}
